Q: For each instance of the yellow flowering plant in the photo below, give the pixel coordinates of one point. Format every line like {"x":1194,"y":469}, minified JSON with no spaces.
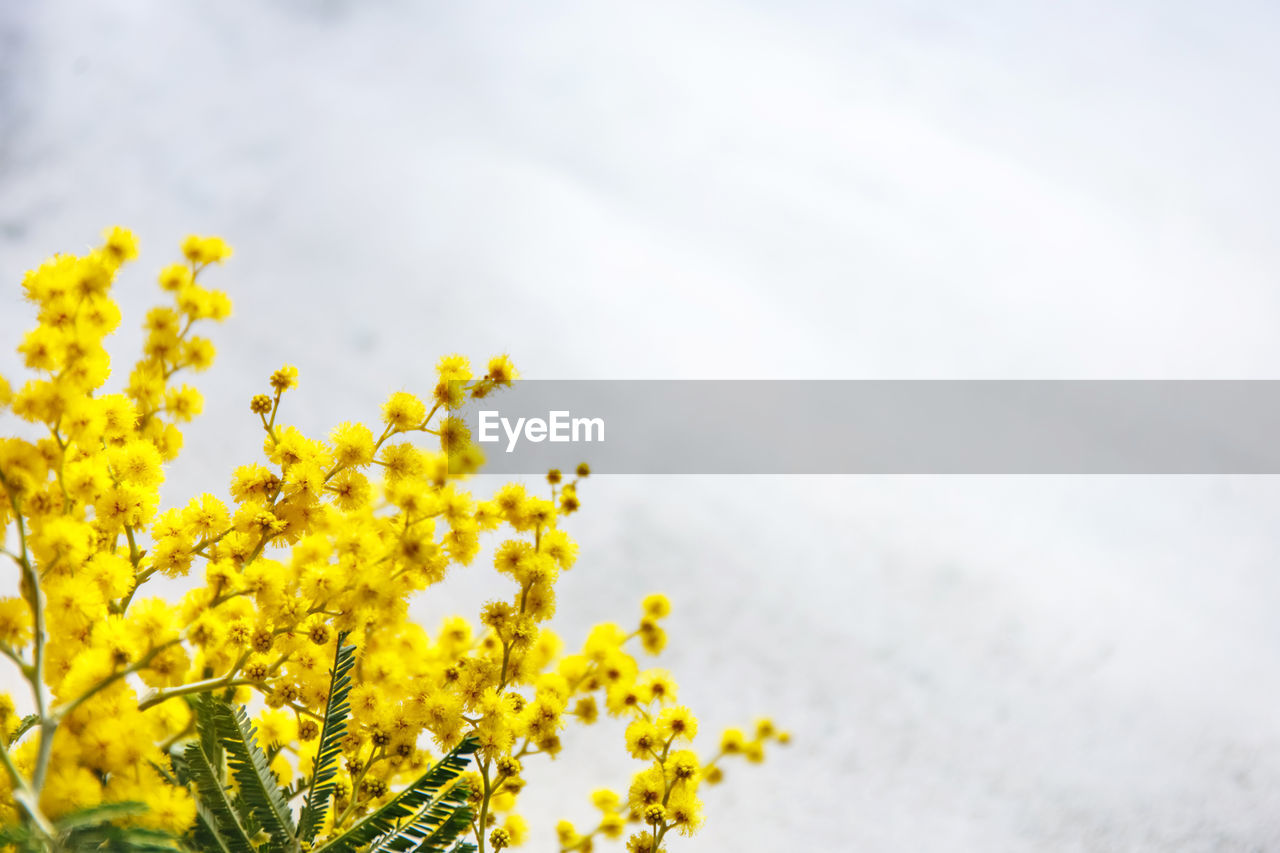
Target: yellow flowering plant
{"x":286,"y":701}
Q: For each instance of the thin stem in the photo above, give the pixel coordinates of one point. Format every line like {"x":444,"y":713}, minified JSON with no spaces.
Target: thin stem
{"x":25,"y":795}
{"x":111,"y":679}
{"x":25,"y":792}
{"x":483,"y":819}
{"x":194,"y":687}
{"x":506,"y":659}
{"x":275,"y":407}
{"x":36,"y":599}
{"x":188,"y":729}
{"x":13,"y":655}
{"x":355,"y":787}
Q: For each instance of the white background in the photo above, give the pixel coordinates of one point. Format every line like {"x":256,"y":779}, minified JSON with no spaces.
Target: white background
{"x":752,"y":190}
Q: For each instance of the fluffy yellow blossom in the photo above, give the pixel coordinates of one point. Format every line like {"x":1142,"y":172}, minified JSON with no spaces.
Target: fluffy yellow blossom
{"x":15,"y":622}
{"x":403,"y":411}
{"x":205,"y":250}
{"x":284,"y":379}
{"x":657,"y":606}
{"x":120,"y":244}
{"x":677,"y":724}
{"x":321,"y":541}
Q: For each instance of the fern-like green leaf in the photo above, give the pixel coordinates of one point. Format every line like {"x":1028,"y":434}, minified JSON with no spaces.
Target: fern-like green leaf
{"x":24,"y":726}
{"x":177,"y":777}
{"x":16,"y":835}
{"x":297,"y":787}
{"x":259,"y":790}
{"x":331,"y":733}
{"x":455,"y":826}
{"x":212,"y":798}
{"x":413,"y":799}
{"x":463,"y":847}
{"x":129,"y":839}
{"x":204,"y":835}
{"x":99,"y":814}
{"x":207,"y":730}
{"x":92,"y":829}
{"x":432,"y":828}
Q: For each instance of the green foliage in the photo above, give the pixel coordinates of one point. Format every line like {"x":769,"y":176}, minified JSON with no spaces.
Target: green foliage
{"x":92,"y":829}
{"x":321,"y":786}
{"x":429,"y":816}
{"x":259,"y":790}
{"x":425,"y":816}
{"x":24,"y":726}
{"x":441,"y":821}
{"x":215,"y":809}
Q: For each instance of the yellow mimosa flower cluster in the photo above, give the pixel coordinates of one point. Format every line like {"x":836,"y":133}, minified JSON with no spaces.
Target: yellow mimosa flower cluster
{"x":323,"y":538}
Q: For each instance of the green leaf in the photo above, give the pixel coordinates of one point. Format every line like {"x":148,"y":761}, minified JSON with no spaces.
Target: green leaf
{"x":456,"y":824}
{"x":204,"y":835}
{"x":177,"y":777}
{"x":331,"y":733}
{"x":463,"y":847}
{"x":99,"y":814}
{"x":207,"y":730}
{"x":92,"y":829}
{"x":259,"y":790}
{"x":131,"y":839}
{"x":430,"y":830}
{"x":434,"y":826}
{"x":17,"y":835}
{"x":27,"y":723}
{"x":417,"y":797}
{"x":212,"y":798}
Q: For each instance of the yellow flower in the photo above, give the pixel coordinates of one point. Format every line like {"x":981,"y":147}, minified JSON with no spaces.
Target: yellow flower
{"x":677,"y":723}
{"x":517,"y":829}
{"x":15,"y":622}
{"x":175,"y":277}
{"x":169,"y":808}
{"x":112,"y":574}
{"x":205,"y":250}
{"x":276,"y":728}
{"x":206,"y":517}
{"x":657,"y":685}
{"x":120,"y":244}
{"x":732,"y":741}
{"x":652,"y":636}
{"x":284,"y":379}
{"x":454,"y":368}
{"x":684,"y":810}
{"x":325,"y":538}
{"x":648,"y":787}
{"x":403,"y":411}
{"x":557,"y":545}
{"x":43,"y":348}
{"x":605,"y":800}
{"x":137,"y":463}
{"x":69,"y":789}
{"x":352,"y":444}
{"x":501,"y":371}
{"x":657,"y":606}
{"x":643,"y":739}
{"x":118,"y":417}
{"x":184,"y":403}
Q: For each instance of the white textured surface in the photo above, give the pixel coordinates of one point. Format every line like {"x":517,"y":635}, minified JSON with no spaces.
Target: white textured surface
{"x":706,"y":190}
